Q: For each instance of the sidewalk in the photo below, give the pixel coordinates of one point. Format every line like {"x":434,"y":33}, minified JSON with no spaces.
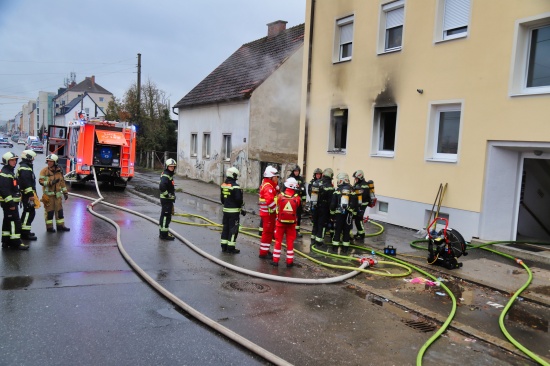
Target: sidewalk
{"x":479,"y":266}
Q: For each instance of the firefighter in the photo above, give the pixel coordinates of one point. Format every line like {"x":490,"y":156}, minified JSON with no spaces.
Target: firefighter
{"x":10,"y":198}
{"x":167,"y":198}
{"x":326,"y":189}
{"x":29,"y":199}
{"x":343,"y":207}
{"x":301,"y":192}
{"x":233,"y":202}
{"x":288,"y":205}
{"x":268,"y":202}
{"x":313,"y":192}
{"x":54,"y":189}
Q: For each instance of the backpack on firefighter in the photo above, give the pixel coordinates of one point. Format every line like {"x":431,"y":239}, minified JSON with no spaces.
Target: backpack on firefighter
{"x":445,"y":245}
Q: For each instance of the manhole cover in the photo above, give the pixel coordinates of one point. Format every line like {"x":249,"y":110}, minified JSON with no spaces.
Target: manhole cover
{"x":420,"y":325}
{"x":246,"y":286}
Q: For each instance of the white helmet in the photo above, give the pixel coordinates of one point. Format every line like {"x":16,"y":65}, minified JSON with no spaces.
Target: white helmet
{"x":342,"y":178}
{"x":271,"y":171}
{"x":232,"y":172}
{"x":291,"y":183}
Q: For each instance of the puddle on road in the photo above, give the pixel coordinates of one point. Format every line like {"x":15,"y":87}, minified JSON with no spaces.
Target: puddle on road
{"x":521,"y":316}
{"x":16,"y":282}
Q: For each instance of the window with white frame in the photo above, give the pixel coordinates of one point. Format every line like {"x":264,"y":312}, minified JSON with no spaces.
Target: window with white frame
{"x":193,"y":144}
{"x":338,"y":130}
{"x":531,"y":58}
{"x":206,"y":146}
{"x":444,"y":131}
{"x":452,"y":20}
{"x":226,"y":148}
{"x":385,"y":121}
{"x":344,"y":39}
{"x":391,"y":26}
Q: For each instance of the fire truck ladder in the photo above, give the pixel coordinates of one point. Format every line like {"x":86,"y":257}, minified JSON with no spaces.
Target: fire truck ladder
{"x":125,"y":169}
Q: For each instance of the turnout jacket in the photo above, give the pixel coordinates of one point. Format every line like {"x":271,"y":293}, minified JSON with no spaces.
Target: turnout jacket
{"x":47,"y":180}
{"x":344,"y":200}
{"x":268,"y":197}
{"x":26,"y":179}
{"x":362,"y":191}
{"x":325,"y":192}
{"x":231,"y":196}
{"x":166,"y":185}
{"x":9,"y":190}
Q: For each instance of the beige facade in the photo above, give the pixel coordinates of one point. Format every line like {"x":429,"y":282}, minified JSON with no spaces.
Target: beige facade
{"x":428,"y":101}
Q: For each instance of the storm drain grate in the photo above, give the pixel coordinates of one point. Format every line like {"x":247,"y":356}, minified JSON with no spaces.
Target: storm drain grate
{"x":420,"y":325}
{"x":246,"y":286}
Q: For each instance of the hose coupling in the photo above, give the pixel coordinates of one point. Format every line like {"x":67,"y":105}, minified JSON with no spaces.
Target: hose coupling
{"x":370,"y":261}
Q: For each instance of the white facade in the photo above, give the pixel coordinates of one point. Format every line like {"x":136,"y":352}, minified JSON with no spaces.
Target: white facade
{"x":86,"y":104}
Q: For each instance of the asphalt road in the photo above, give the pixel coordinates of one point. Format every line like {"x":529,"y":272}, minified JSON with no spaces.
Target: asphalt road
{"x":72,"y":299}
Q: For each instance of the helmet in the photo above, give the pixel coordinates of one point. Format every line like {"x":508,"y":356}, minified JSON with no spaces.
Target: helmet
{"x":232,"y":173}
{"x":28,"y":155}
{"x":358,"y":174}
{"x":8,"y":156}
{"x":342,"y":178}
{"x":271,"y":171}
{"x":291,"y":183}
{"x":328,"y":173}
{"x":170,"y":162}
{"x":296,"y":167}
{"x":52,"y":157}
{"x":317,"y":171}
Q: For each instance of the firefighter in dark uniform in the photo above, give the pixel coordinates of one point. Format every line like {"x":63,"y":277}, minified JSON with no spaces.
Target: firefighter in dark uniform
{"x":29,"y":198}
{"x":301,"y":192}
{"x":313,"y":193}
{"x":232,"y":200}
{"x":10,"y":198}
{"x":167,"y":198}
{"x":364,"y":190}
{"x":343,"y":207}
{"x":326,"y":189}
{"x":54,"y":189}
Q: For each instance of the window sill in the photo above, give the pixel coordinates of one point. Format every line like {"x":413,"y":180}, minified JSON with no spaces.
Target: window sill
{"x":442,"y":160}
{"x":393,"y":50}
{"x":337,"y":151}
{"x":341,"y":61}
{"x":383,"y":155}
{"x":442,"y":40}
{"x":531,"y":91}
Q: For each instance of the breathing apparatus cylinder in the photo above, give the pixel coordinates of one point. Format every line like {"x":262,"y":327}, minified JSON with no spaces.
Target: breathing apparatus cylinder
{"x":370,"y":183}
{"x":344,"y":200}
{"x":314,"y":196}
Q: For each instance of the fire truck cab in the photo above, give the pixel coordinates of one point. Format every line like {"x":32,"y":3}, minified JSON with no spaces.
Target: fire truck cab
{"x":109,"y":147}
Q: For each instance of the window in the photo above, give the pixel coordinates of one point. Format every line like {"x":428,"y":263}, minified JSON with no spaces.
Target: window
{"x":344,"y":39}
{"x":444,"y":132}
{"x":338,"y":130}
{"x":531,"y":57}
{"x":391,"y":31}
{"x":452,"y":20}
{"x":226,"y":148}
{"x":193,"y":144}
{"x":206,"y":146}
{"x":385,"y":120}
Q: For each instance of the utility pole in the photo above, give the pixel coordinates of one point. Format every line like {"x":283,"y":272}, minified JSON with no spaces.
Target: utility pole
{"x":138,"y":87}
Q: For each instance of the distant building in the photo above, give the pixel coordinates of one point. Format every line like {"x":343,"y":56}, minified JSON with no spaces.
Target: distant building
{"x":69,"y":112}
{"x":99,"y":95}
{"x":246,"y":113}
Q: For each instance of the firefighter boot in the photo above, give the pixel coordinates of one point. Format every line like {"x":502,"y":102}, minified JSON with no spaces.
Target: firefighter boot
{"x":63,"y":228}
{"x":21,"y":246}
{"x":274,"y":264}
{"x":167,"y":236}
{"x":51,"y":230}
{"x":345,"y":249}
{"x":233,"y":250}
{"x":289,"y":264}
{"x":224,"y":248}
{"x":27,"y":235}
{"x":268,"y":255}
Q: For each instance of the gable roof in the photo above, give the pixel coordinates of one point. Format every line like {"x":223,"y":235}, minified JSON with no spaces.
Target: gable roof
{"x":245,"y":70}
{"x":88,"y":85}
{"x":67,"y":108}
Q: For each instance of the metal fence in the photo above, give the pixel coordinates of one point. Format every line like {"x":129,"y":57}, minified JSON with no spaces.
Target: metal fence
{"x":153,"y":159}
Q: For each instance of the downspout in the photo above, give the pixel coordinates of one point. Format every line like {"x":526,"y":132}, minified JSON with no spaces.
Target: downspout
{"x":308,"y":87}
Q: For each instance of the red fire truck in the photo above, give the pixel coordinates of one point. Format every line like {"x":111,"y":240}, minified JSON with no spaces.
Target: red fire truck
{"x":109,"y":147}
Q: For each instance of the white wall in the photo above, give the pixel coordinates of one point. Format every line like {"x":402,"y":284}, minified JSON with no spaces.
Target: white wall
{"x":216,"y":119}
{"x":87,"y":102}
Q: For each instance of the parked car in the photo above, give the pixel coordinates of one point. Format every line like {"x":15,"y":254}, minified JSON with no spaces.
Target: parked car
{"x":37,"y":147}
{"x":4,"y":142}
{"x":21,"y":141}
{"x":14,"y":138}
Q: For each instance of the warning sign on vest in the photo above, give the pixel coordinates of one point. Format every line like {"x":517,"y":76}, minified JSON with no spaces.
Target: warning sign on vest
{"x":288,"y":207}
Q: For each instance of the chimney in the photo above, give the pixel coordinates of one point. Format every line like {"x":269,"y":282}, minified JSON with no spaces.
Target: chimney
{"x":275,"y":28}
{"x":93,"y":80}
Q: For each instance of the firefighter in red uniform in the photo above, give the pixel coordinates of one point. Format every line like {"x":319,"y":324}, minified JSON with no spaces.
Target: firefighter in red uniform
{"x":232,"y":200}
{"x":288,"y":204}
{"x":10,"y":198}
{"x":268,"y":196}
{"x":53,"y":183}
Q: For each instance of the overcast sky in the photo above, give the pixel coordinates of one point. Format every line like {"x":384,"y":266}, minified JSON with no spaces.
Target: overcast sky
{"x":180,"y":41}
